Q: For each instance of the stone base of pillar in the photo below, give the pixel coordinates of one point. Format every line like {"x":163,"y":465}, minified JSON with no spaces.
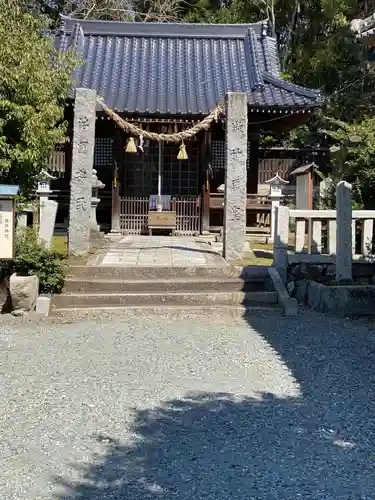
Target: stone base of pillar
{"x":96,"y":235}
{"x":113,"y":236}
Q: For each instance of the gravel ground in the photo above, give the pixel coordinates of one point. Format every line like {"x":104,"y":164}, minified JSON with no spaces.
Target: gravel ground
{"x":187,"y":408}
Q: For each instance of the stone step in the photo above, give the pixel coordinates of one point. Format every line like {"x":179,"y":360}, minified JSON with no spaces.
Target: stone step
{"x":166,"y":272}
{"x":235,"y":311}
{"x":79,"y":300}
{"x":113,"y":285}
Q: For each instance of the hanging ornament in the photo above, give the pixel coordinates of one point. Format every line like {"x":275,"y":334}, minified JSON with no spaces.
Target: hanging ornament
{"x":175,"y":128}
{"x":131,"y":147}
{"x":141,"y":141}
{"x":182,"y":154}
{"x":170,"y":130}
{"x":148,"y":127}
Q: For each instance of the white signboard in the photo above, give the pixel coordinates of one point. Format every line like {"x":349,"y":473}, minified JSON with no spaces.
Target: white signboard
{"x":6,"y":229}
{"x":165,"y":201}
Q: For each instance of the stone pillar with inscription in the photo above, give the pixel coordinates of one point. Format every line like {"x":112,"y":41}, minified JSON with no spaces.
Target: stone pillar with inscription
{"x":344,"y":256}
{"x":82,"y":165}
{"x":234,"y":235}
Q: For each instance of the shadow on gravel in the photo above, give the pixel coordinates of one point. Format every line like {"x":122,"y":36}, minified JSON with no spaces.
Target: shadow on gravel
{"x":212,"y":446}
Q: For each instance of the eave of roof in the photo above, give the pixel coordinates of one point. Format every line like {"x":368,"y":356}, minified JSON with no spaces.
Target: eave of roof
{"x":364,"y":28}
{"x":180,"y":69}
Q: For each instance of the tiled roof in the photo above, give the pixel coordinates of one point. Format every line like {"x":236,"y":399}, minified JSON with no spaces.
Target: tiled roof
{"x":179,"y":69}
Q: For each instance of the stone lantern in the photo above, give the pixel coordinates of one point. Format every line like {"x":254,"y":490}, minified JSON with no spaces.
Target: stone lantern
{"x":96,"y":185}
{"x":44,"y":184}
{"x":276,"y":196}
{"x":44,"y":190}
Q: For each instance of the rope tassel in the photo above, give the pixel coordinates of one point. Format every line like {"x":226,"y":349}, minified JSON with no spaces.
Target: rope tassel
{"x":131,"y":147}
{"x":182,"y":154}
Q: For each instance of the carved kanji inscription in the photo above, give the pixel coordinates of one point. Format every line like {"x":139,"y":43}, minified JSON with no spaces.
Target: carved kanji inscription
{"x":83,"y":147}
{"x":83,"y":122}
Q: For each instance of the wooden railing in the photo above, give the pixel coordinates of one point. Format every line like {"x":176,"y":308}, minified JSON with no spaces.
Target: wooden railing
{"x":257,"y":204}
{"x":254,"y":202}
{"x":188,"y":214}
{"x":134,"y":214}
{"x":319,"y":228}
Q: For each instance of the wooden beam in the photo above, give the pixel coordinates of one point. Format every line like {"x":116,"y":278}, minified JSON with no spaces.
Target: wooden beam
{"x":116,"y":204}
{"x":206,"y":207}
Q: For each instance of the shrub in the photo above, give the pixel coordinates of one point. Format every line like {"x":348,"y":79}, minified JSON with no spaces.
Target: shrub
{"x":32,"y":257}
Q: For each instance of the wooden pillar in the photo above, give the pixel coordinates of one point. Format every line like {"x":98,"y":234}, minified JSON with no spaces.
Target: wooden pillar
{"x":253,"y":171}
{"x":206,"y":183}
{"x":252,"y":176}
{"x":116,"y":204}
{"x":118,"y":175}
{"x":159,"y":203}
{"x":206,"y":207}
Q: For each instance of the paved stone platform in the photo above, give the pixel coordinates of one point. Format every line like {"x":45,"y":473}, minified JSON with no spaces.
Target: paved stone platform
{"x":145,"y":251}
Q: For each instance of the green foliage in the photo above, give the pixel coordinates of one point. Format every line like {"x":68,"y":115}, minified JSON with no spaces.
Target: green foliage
{"x":34,"y":82}
{"x":31,"y":257}
{"x":317,"y":49}
{"x":356,"y":164}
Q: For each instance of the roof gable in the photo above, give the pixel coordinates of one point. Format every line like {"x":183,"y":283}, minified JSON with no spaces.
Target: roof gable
{"x":179,"y":69}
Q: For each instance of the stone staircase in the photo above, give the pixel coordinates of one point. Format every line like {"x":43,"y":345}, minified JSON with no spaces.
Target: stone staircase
{"x":163,"y":288}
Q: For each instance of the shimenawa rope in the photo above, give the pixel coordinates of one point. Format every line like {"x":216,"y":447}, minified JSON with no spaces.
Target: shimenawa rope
{"x":177,"y":137}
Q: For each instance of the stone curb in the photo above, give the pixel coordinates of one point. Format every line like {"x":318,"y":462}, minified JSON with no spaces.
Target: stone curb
{"x":289,"y":304}
{"x":43,"y":305}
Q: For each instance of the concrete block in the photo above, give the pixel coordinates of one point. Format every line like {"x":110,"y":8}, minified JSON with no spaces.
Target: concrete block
{"x":300,"y":292}
{"x":314,"y":295}
{"x":289,"y":304}
{"x":43,"y":305}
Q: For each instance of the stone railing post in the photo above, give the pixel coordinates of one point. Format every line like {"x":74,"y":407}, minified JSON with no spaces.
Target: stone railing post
{"x":81,"y":178}
{"x":234,"y":236}
{"x":281,"y":238}
{"x":344,"y":255}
